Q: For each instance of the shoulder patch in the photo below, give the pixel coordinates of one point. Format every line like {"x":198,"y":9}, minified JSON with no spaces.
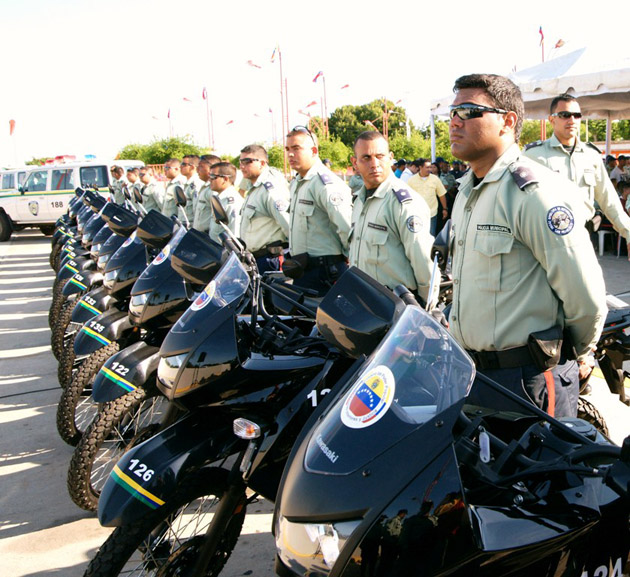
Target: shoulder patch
{"x":325,"y":178}
{"x":522,"y":175}
{"x":268,"y":185}
{"x":560,"y":220}
{"x":402,"y":194}
{"x":593,"y":147}
{"x":534,"y":144}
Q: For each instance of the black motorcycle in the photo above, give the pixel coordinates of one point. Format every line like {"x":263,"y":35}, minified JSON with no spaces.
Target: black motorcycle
{"x":420,"y":467}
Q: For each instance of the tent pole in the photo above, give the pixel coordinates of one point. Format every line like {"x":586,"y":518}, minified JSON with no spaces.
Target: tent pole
{"x":432,"y":138}
{"x":608,"y":134}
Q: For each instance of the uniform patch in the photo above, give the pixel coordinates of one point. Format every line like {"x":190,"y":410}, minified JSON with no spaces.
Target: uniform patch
{"x":494,"y":228}
{"x":325,"y":178}
{"x":403,"y":194}
{"x":534,"y":144}
{"x":336,"y":199}
{"x":414,"y":224}
{"x":522,"y":175}
{"x":281,"y":205}
{"x":304,"y":201}
{"x":268,"y":185}
{"x":368,"y":401}
{"x":230,"y":200}
{"x":560,"y":220}
{"x":377,"y":226}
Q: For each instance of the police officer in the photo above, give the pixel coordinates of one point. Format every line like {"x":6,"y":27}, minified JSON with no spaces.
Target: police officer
{"x":264,"y":217}
{"x":526,"y":280}
{"x":118,"y":181}
{"x":172,"y":170}
{"x":580,"y":162}
{"x":321,"y":208}
{"x":152,"y":190}
{"x":193,"y":184}
{"x":203,"y":206}
{"x":222,"y":179}
{"x":389,"y":238}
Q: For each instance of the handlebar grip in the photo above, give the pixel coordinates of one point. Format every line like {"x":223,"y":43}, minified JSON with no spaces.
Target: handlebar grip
{"x":404,"y":294}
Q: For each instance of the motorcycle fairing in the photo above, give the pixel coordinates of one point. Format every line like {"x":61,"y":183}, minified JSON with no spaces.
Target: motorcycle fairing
{"x":101,"y":331}
{"x":73,"y":266}
{"x":127,"y":370}
{"x":81,"y":281}
{"x":91,"y":304}
{"x":147,"y":476}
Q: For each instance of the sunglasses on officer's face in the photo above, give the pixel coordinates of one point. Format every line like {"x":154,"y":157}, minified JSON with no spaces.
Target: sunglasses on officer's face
{"x":468,"y":111}
{"x":564,"y":114}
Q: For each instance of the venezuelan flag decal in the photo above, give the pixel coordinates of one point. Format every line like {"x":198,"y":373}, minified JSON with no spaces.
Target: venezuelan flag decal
{"x":90,"y":308}
{"x":117,"y":379}
{"x":204,"y":297}
{"x":135,"y":490}
{"x":90,"y":333}
{"x":368,"y":401}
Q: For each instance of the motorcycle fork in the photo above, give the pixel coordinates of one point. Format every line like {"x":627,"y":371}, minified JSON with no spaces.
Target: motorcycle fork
{"x":231,"y":503}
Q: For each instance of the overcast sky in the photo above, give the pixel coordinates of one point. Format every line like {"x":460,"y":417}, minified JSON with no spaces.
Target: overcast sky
{"x":90,"y":76}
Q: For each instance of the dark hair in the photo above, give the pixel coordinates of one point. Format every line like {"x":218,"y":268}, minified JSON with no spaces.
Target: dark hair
{"x":192,"y":158}
{"x":226,"y":169}
{"x":369,"y":135}
{"x":173,"y":162}
{"x":501,"y":90}
{"x":257,"y":150}
{"x":210,"y":158}
{"x":561,"y":98}
{"x":133,"y":169}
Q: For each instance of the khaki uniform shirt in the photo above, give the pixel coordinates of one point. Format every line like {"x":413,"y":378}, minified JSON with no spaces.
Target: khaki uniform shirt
{"x":203,"y":208}
{"x":152,"y":196}
{"x":232,"y":203}
{"x":264,"y":217}
{"x":117,"y":185}
{"x":586,"y":169}
{"x":522,"y":260}
{"x":389,"y":238}
{"x":429,"y":189}
{"x":169,"y":206}
{"x":191,"y":189}
{"x":321,"y":209}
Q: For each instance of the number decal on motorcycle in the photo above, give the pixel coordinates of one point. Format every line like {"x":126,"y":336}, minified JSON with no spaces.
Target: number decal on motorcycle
{"x":140,"y":470}
{"x":313,"y":396}
{"x":603,"y":571}
{"x":120,"y":369}
{"x":89,"y":300}
{"x":99,"y":328}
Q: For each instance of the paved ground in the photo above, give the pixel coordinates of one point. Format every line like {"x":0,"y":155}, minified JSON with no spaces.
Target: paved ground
{"x":42,"y":532}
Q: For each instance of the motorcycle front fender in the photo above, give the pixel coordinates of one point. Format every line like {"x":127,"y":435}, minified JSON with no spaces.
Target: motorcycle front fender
{"x":148,"y":475}
{"x":74,"y":266}
{"x":82,"y":281}
{"x":131,"y":368}
{"x":101,"y":331}
{"x":92,"y":304}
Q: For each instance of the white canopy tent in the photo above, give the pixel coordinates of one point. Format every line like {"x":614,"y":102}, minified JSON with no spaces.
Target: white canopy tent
{"x":601,"y":83}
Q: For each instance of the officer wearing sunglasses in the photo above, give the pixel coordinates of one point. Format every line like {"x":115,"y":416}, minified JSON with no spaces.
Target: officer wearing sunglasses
{"x":528,"y":292}
{"x":580,"y":162}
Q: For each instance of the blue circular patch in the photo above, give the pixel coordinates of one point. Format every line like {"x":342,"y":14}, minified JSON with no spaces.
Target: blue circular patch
{"x":560,"y":220}
{"x":414,"y":224}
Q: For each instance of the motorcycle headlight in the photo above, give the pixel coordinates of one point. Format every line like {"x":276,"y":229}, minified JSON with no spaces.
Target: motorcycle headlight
{"x":314,"y":547}
{"x":137,"y":303}
{"x":110,"y":278}
{"x":167,"y":371}
{"x":94,"y":250}
{"x":103,"y":260}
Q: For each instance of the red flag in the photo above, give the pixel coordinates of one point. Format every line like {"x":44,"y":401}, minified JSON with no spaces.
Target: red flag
{"x":11,"y":127}
{"x":345,"y":86}
{"x":187,"y":99}
{"x":168,"y":114}
{"x":229,"y":122}
{"x":559,"y":44}
{"x":542,"y":36}
{"x":311,"y":104}
{"x":320,"y":73}
{"x":270,"y":111}
{"x":204,"y":93}
{"x":253,"y":64}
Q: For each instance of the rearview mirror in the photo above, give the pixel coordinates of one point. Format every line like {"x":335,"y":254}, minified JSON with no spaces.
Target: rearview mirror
{"x":180,"y":197}
{"x":219,"y":212}
{"x":137,"y":194}
{"x":441,"y":245}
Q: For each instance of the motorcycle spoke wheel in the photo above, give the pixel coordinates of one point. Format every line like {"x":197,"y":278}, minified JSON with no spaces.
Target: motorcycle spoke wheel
{"x":165,"y":542}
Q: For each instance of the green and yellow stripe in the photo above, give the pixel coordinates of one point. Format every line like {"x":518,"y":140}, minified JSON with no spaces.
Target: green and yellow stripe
{"x":135,"y":490}
{"x":118,"y":380}
{"x":101,"y":339}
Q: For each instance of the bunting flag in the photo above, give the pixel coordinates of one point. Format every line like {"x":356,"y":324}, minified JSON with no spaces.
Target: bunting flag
{"x":311,"y":104}
{"x":559,"y":44}
{"x":345,"y":86}
{"x":304,"y":113}
{"x":275,"y":51}
{"x":542,"y":36}
{"x":253,"y":64}
{"x":168,"y":114}
{"x":11,"y":127}
{"x":187,"y":99}
{"x":270,"y":111}
{"x":229,"y":122}
{"x":320,"y":73}
{"x":204,"y":93}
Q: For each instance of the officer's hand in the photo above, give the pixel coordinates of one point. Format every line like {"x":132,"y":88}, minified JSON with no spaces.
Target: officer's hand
{"x":440,"y":317}
{"x":585,"y":367}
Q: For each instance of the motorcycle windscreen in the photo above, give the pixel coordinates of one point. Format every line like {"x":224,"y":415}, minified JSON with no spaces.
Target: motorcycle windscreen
{"x":416,"y":373}
{"x":158,"y":266}
{"x":227,"y":287}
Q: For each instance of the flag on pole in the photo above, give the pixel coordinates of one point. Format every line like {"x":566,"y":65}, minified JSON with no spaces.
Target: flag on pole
{"x":168,"y":114}
{"x":187,"y":99}
{"x":204,"y":93}
{"x":270,"y":110}
{"x":542,"y":36}
{"x":559,"y":44}
{"x":313,"y":103}
{"x":253,"y":64}
{"x":11,"y":127}
{"x":345,"y":86}
{"x":275,"y":51}
{"x":229,"y":122}
{"x":320,"y":73}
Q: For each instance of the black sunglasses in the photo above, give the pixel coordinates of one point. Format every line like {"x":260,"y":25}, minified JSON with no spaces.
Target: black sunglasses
{"x":215,"y":176}
{"x":248,"y":160}
{"x":566,"y":114}
{"x":468,"y":111}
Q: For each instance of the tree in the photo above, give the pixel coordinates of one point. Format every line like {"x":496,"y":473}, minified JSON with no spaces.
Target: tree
{"x":159,"y":151}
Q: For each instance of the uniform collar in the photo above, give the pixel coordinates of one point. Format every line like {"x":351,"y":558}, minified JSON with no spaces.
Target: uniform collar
{"x":495,"y":173}
{"x":264,"y":176}
{"x":312,"y":171}
{"x":383,"y":188}
{"x":555,"y":143}
{"x":229,"y":191}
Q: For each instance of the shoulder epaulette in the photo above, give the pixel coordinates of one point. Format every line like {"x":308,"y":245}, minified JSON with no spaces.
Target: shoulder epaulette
{"x":522,"y":175}
{"x":534,"y":144}
{"x":268,"y":185}
{"x":593,"y":147}
{"x":402,"y":194}
{"x":325,"y":178}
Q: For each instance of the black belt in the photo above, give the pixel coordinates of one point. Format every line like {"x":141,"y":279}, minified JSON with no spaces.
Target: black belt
{"x":506,"y":359}
{"x":270,"y":250}
{"x":325,"y":260}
